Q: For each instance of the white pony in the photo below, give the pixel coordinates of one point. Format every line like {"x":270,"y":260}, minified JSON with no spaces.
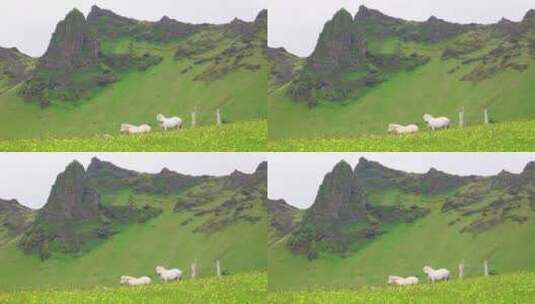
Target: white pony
{"x":399,"y":281}
{"x":169,"y":123}
{"x":169,"y":274}
{"x":436,"y":123}
{"x":131,"y":129}
{"x":399,"y":129}
{"x":436,"y":275}
{"x":131,"y":281}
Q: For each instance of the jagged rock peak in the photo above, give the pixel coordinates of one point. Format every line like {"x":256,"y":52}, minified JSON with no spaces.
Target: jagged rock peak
{"x":365,"y":12}
{"x":530,"y":16}
{"x":529,"y":169}
{"x":262,"y":16}
{"x":71,"y":46}
{"x":262,"y":168}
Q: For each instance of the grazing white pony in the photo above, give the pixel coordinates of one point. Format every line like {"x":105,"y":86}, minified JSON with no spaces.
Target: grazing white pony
{"x":169,"y":274}
{"x":399,"y":129}
{"x":399,"y":281}
{"x":131,"y":281}
{"x":131,"y":129}
{"x":436,"y":275}
{"x":436,"y":123}
{"x":169,"y":123}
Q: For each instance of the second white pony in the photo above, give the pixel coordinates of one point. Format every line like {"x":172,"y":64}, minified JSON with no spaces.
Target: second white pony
{"x":169,"y":123}
{"x":131,"y":281}
{"x":436,"y":275}
{"x":168,"y":274}
{"x":436,"y":123}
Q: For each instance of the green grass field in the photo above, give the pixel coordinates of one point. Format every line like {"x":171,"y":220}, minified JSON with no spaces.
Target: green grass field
{"x":239,"y":288}
{"x":507,"y":137}
{"x":406,"y":95}
{"x":242,"y":136}
{"x":513,"y":288}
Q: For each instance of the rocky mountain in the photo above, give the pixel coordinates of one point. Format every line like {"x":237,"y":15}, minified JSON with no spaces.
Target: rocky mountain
{"x":72,"y":45}
{"x":354,"y":207}
{"x":284,"y":66}
{"x":284,"y":218}
{"x":15,"y":219}
{"x":76,"y":48}
{"x":356,"y":53}
{"x":15,"y":67}
{"x":342,"y":216}
{"x":90,"y":206}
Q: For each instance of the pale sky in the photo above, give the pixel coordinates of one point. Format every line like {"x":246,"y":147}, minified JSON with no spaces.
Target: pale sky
{"x":28,"y":177}
{"x":29,"y":24}
{"x":296,"y":24}
{"x":296,"y":177}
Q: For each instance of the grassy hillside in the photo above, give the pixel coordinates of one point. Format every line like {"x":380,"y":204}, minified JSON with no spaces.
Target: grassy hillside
{"x":136,"y":250}
{"x":404,"y":251}
{"x":173,"y":87}
{"x":507,"y":137}
{"x":479,"y":69}
{"x":198,"y":219}
{"x":240,"y":288}
{"x":470,"y":220}
{"x":240,"y":136}
{"x":513,"y":288}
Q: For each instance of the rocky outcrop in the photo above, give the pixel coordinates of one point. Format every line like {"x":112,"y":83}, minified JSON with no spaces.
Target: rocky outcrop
{"x":14,"y":217}
{"x":72,"y":200}
{"x":14,"y":65}
{"x":72,"y":46}
{"x":282,"y":64}
{"x":338,"y":47}
{"x":282,"y":216}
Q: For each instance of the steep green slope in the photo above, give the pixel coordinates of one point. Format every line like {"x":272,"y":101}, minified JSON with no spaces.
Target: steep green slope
{"x":469,"y":219}
{"x":136,"y":94}
{"x":107,"y":222}
{"x":473,"y":68}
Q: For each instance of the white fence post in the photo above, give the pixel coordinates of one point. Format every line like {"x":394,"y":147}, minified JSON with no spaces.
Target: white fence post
{"x":218,"y":268}
{"x":486,"y":116}
{"x":486,"y":268}
{"x":461,"y":270}
{"x":461,"y":119}
{"x":194,"y":270}
{"x":218,"y":116}
{"x":193,"y":119}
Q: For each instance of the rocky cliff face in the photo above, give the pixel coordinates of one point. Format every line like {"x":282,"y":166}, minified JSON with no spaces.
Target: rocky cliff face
{"x":283,"y":217}
{"x":72,"y":46}
{"x":14,"y":217}
{"x":343,"y":48}
{"x":338,"y":47}
{"x":340,"y":199}
{"x":72,"y":200}
{"x":14,"y":66}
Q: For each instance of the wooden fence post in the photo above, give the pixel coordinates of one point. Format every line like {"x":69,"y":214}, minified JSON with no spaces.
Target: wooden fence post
{"x":218,"y":268}
{"x":486,"y":116}
{"x":486,"y":268}
{"x":193,"y":119}
{"x":218,"y":116}
{"x":194,"y":270}
{"x":461,"y":270}
{"x":461,"y":119}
